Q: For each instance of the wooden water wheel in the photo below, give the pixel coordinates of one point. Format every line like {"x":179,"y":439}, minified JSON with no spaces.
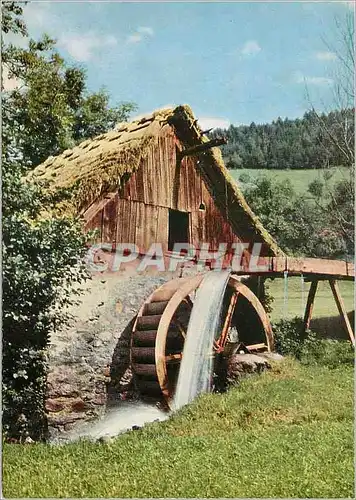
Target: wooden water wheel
{"x":161,"y":325}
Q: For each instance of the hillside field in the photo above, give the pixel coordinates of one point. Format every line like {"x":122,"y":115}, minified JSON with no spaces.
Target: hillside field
{"x":299,"y":178}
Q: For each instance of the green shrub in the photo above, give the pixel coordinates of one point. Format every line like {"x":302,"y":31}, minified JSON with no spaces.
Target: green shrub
{"x":308,"y":348}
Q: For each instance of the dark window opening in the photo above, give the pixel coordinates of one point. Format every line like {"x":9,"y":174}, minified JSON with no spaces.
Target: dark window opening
{"x":202,"y":206}
{"x":178,"y":228}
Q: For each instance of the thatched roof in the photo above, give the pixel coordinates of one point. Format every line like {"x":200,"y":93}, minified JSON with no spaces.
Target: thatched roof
{"x":103,"y":164}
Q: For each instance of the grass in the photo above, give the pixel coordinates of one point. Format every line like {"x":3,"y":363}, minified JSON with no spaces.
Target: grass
{"x":285,"y":433}
{"x":299,"y":178}
{"x":324,"y":306}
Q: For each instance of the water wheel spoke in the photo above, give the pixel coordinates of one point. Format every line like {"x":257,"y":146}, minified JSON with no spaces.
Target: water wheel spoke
{"x":220,"y":343}
{"x":180,"y":328}
{"x":172,"y":358}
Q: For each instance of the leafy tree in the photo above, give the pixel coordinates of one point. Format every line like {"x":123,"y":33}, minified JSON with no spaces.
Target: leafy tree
{"x":298,"y":224}
{"x":48,"y":111}
{"x":337,"y":135}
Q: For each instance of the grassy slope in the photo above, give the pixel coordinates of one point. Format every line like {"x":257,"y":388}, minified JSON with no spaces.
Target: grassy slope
{"x":299,"y":178}
{"x":286,"y":434}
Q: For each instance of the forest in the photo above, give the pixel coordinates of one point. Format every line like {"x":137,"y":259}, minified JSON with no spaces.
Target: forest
{"x":289,"y":144}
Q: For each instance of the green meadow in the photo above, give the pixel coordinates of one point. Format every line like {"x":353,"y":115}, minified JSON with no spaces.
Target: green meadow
{"x":299,"y":178}
{"x":287,"y":433}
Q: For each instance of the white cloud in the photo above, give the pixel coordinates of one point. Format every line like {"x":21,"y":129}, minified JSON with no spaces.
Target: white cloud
{"x":82,"y":47}
{"x":146,"y":30}
{"x":207,"y":122}
{"x":141,"y":33}
{"x":311,"y":80}
{"x":135,"y":38}
{"x":37,"y":15}
{"x":250,"y":48}
{"x":325,"y":56}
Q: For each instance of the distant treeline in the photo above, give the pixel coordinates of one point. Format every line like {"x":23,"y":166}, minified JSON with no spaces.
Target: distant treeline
{"x":308,"y":142}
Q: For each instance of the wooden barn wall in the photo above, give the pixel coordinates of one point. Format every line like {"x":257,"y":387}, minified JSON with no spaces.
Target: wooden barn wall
{"x":139,"y":213}
{"x":128,"y":221}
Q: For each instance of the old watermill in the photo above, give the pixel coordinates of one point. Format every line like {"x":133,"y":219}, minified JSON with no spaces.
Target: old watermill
{"x":159,"y":332}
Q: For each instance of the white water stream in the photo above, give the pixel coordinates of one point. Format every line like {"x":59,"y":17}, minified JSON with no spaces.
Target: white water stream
{"x":197,"y":363}
{"x":118,"y":420}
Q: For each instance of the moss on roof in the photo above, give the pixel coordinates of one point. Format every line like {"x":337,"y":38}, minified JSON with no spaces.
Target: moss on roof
{"x":98,"y":166}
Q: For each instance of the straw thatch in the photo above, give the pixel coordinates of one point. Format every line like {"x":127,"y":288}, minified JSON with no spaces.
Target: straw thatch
{"x":104,"y":164}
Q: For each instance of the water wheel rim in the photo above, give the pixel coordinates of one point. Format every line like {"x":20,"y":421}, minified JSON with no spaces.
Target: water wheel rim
{"x":245,"y":291}
{"x":160,"y":348}
{"x":170,"y":286}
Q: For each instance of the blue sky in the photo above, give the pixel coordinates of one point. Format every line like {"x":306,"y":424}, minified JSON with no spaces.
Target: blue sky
{"x":232,"y":62}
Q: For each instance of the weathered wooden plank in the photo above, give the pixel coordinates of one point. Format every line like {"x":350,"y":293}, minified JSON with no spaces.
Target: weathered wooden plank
{"x":109,"y":220}
{"x":162,"y":228}
{"x":150,"y":233}
{"x":95,"y":207}
{"x":126,"y":221}
{"x":194,"y":228}
{"x":202,"y":234}
{"x":342,"y":309}
{"x":150,"y":178}
{"x":140,"y":184}
{"x":132,"y":226}
{"x":308,"y":267}
{"x":183,"y":180}
{"x":315,"y":266}
{"x":159,"y":196}
{"x":193,"y":196}
{"x":119,"y":220}
{"x":203,"y":147}
{"x":140,"y":227}
{"x":178,"y":187}
{"x":167,"y":171}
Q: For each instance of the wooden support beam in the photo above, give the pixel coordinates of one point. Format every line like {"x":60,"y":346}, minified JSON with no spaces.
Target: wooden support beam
{"x":310,"y":305}
{"x":311,"y":269}
{"x":203,"y":147}
{"x":342,"y":309}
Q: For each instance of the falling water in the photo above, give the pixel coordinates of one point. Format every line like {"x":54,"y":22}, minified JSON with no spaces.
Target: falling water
{"x":197,"y":362}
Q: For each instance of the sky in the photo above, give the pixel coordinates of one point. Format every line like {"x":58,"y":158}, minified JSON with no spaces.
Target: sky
{"x":232,"y":62}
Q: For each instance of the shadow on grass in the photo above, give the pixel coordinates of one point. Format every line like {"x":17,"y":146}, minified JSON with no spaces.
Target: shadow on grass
{"x":332,"y":327}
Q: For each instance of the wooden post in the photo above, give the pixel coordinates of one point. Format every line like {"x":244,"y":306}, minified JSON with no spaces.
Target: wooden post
{"x":342,"y":310}
{"x":310,"y":305}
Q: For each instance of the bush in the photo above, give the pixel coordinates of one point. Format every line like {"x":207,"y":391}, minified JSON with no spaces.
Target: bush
{"x":42,"y":260}
{"x":308,"y":348}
